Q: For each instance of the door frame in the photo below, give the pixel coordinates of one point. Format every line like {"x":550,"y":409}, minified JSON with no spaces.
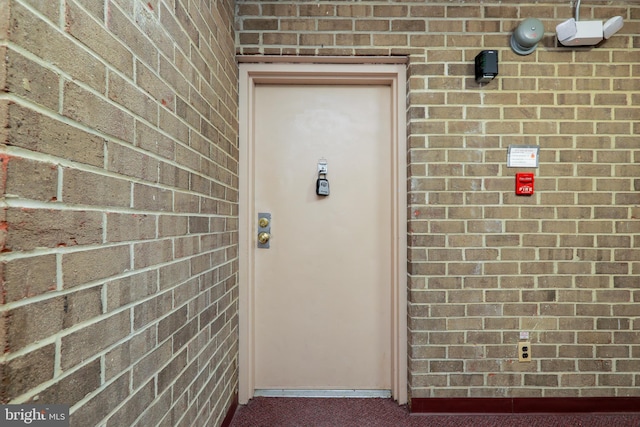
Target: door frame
{"x":285,"y":71}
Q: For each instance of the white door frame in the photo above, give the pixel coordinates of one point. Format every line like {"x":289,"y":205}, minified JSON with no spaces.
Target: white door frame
{"x":392,"y":75}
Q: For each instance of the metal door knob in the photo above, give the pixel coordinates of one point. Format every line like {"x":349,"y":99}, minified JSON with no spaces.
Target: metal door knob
{"x":263,"y":238}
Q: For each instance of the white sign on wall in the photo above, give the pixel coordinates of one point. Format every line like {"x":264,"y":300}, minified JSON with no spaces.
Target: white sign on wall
{"x":523,"y":156}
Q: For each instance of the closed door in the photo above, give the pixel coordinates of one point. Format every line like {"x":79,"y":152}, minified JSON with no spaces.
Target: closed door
{"x":323,"y":288}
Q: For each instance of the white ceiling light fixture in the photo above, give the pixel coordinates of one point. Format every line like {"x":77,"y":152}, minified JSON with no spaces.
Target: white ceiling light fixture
{"x":574,"y":32}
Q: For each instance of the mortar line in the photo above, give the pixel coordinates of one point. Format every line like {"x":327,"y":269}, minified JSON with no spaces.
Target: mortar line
{"x":17,"y":202}
{"x":131,"y":334}
{"x":58,"y":376}
{"x":103,"y":281}
{"x":16,"y":151}
{"x":10,"y":256}
{"x":23,"y":102}
{"x":60,"y":117}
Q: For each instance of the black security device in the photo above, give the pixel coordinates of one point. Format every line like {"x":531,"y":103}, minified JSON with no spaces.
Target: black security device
{"x":486,"y":66}
{"x":322,"y":186}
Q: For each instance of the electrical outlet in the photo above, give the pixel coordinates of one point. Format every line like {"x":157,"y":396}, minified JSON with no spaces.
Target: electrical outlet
{"x":524,"y":351}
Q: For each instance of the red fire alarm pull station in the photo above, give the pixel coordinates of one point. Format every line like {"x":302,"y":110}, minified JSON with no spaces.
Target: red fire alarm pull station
{"x":524,"y":184}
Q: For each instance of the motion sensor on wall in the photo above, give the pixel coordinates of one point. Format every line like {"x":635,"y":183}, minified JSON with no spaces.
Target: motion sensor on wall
{"x":574,"y":32}
{"x":587,"y":33}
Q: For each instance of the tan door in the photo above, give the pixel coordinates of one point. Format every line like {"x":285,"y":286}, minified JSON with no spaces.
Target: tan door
{"x":323,"y":288}
{"x":324,"y":309}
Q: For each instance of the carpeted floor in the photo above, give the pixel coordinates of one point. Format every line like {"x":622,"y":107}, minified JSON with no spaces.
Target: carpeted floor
{"x":315,"y":412}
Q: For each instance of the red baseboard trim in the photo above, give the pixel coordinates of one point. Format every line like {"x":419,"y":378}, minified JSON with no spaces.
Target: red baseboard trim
{"x":505,"y":405}
{"x":231,"y":412}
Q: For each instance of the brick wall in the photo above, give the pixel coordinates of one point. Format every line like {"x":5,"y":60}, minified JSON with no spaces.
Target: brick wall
{"x":119,"y":229}
{"x":563,"y":264}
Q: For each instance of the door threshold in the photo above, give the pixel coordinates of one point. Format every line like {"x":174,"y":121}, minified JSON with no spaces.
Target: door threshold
{"x":383,"y":394}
